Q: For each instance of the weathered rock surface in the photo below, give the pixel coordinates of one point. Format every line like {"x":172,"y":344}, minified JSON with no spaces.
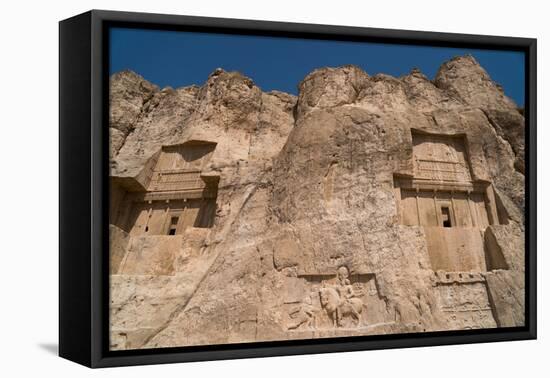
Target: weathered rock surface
{"x":129,"y":93}
{"x":466,"y":79}
{"x":307,"y":206}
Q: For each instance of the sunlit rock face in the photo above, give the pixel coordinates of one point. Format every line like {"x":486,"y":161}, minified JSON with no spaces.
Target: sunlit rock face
{"x":365,"y":205}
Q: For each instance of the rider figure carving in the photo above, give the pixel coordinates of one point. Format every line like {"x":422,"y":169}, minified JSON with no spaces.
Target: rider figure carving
{"x":344,"y":288}
{"x":339,"y":300}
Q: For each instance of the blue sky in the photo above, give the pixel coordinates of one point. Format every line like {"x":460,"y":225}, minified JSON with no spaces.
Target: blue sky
{"x":171,"y":58}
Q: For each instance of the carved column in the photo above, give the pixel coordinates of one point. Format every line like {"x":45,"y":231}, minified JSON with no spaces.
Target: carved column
{"x":492,"y":205}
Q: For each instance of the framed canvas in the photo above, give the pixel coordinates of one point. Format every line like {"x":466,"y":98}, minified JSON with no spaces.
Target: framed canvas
{"x":234,"y":188}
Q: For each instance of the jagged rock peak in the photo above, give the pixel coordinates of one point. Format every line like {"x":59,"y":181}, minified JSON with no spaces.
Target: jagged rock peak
{"x":327,"y":71}
{"x":466,"y":60}
{"x":282,"y":95}
{"x":220,"y":75}
{"x":129,"y":80}
{"x":127,"y":73}
{"x":128,"y":93}
{"x":328,"y":87}
{"x":416,"y":73}
{"x":464,"y":76}
{"x":189,"y":89}
{"x":461,"y":67}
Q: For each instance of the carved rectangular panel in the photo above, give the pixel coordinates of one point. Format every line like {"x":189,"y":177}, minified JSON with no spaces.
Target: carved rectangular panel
{"x":176,"y":180}
{"x":155,"y":218}
{"x":409,"y":211}
{"x":190,"y":214}
{"x":455,"y":249}
{"x":178,"y":168}
{"x":480,"y":209}
{"x":309,"y":302}
{"x":440,"y":158}
{"x":427,"y":210}
{"x":466,"y":305}
{"x":184,"y":157}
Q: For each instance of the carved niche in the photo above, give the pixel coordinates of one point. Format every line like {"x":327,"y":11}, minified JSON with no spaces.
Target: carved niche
{"x":177,"y":194}
{"x":443,"y":197}
{"x":334,"y":302}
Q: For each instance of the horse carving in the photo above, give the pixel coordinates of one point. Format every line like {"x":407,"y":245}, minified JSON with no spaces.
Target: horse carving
{"x":337,"y":307}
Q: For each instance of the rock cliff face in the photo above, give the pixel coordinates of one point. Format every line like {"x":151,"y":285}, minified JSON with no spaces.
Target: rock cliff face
{"x":366,"y":205}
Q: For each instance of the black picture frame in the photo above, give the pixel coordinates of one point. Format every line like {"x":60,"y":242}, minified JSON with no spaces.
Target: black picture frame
{"x":84,"y":194}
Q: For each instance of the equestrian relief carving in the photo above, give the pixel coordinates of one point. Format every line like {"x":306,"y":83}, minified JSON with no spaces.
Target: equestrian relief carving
{"x":338,"y":302}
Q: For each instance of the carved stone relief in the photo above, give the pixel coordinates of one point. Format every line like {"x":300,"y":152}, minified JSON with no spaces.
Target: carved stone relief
{"x":440,"y":158}
{"x":338,"y":301}
{"x":466,"y":306}
{"x":443,"y":198}
{"x":175,"y":195}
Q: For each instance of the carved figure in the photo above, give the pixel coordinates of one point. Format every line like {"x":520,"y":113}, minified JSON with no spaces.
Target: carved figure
{"x":338,"y":307}
{"x":304,"y":315}
{"x":341,"y":300}
{"x":344,"y":288}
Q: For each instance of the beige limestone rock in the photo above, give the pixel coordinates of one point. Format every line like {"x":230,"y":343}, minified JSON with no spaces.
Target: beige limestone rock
{"x":128,"y":94}
{"x":309,"y":235}
{"x":465,"y":78}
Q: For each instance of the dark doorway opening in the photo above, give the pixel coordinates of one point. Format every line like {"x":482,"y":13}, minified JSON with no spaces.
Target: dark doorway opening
{"x":446,"y":216}
{"x":173,"y":225}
